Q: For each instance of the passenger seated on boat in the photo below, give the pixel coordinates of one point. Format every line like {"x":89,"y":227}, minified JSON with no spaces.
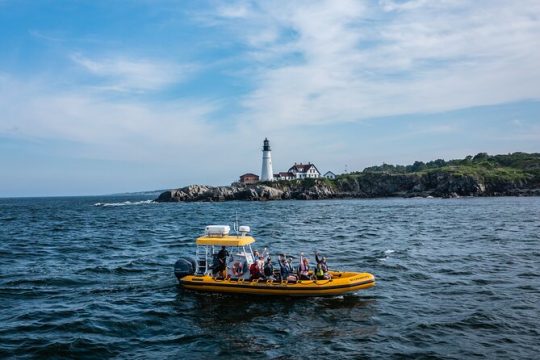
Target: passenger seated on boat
{"x":269,"y":269}
{"x":237,"y":269}
{"x":322,"y":262}
{"x":255,"y":272}
{"x":285,"y":268}
{"x":260,"y":264}
{"x":283,"y":271}
{"x":290,"y":269}
{"x":303,"y":269}
{"x":319,"y":272}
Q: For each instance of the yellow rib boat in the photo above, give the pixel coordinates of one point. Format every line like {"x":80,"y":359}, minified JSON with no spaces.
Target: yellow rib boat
{"x":197,"y":274}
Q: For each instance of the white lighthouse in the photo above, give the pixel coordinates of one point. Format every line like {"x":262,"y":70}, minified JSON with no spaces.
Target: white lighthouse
{"x":267,"y":173}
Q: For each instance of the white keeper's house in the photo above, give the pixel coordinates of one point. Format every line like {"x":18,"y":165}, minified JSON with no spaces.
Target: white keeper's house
{"x":303,"y":171}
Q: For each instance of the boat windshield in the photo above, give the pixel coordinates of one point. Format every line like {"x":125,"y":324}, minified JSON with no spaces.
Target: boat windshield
{"x":237,"y":254}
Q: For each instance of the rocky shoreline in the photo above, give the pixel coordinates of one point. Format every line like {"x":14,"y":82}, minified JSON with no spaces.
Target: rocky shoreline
{"x":368,"y":185}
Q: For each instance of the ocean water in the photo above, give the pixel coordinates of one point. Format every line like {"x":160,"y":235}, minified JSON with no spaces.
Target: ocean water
{"x":92,"y":277}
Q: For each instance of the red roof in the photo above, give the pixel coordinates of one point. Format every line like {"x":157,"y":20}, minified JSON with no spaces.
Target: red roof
{"x":250,"y":175}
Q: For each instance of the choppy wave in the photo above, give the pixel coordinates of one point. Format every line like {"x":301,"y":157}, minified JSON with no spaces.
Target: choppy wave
{"x":126,"y":203}
{"x":77,"y":281}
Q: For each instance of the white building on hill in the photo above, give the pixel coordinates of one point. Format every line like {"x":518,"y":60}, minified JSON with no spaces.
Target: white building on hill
{"x":329,"y":175}
{"x":303,"y":171}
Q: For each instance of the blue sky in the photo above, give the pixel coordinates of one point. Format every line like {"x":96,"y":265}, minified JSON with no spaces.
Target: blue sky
{"x":111,"y":96}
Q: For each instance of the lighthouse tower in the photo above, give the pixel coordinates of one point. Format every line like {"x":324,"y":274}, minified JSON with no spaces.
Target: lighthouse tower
{"x":267,"y":173}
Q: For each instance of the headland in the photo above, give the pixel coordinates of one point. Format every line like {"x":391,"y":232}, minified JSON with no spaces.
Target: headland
{"x":516,"y":174}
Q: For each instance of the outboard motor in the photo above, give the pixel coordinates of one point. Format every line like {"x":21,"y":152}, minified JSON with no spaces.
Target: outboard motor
{"x":184,"y":266}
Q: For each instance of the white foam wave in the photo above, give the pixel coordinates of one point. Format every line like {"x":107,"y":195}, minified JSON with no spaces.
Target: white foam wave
{"x":126,"y":203}
{"x":387,"y":254}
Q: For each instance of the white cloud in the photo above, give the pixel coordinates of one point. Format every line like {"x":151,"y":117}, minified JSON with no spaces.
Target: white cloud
{"x":338,"y":61}
{"x":310,"y":63}
{"x":134,"y":75}
{"x":178,"y":137}
{"x":237,"y":10}
{"x":112,"y":129}
{"x":389,"y":5}
{"x":43,"y":36}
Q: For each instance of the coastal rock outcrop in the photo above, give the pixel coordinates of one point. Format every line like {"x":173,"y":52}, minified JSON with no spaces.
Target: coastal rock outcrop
{"x":188,"y":193}
{"x":443,"y":183}
{"x":516,"y":174}
{"x":369,"y":185}
{"x":220,"y":193}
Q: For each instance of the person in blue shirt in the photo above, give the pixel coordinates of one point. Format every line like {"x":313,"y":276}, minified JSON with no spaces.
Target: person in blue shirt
{"x":286,"y":269}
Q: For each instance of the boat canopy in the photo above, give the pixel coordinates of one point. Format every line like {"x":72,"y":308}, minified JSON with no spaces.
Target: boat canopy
{"x":225,"y":240}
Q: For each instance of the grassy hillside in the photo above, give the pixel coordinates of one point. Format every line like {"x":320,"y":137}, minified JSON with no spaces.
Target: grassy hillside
{"x":516,"y":174}
{"x":512,"y":167}
{"x":480,"y":175}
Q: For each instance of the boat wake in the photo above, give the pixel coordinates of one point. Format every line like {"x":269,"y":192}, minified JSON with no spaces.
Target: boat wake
{"x":126,"y":203}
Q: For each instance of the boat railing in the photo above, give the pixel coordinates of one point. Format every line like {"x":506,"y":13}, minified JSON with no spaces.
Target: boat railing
{"x":202,"y":260}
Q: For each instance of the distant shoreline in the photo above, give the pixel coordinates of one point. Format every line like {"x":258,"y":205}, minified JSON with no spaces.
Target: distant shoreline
{"x":516,"y":174}
{"x":319,"y":191}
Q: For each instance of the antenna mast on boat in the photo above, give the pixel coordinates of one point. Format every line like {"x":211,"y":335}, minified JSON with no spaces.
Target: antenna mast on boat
{"x":235,"y":225}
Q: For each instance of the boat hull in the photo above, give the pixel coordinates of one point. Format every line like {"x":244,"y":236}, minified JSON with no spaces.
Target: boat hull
{"x":341,"y":282}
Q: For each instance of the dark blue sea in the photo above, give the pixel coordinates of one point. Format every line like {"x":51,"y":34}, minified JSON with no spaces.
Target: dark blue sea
{"x":92,"y":277}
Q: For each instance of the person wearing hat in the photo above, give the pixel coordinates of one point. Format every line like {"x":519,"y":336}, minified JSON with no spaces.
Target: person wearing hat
{"x":286,"y":269}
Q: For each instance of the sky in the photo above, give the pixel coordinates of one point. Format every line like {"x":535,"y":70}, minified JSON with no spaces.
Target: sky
{"x":101,"y":97}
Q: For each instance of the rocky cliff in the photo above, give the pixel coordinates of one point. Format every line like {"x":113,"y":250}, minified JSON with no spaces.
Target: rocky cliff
{"x":436,"y":184}
{"x":514,"y":174}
